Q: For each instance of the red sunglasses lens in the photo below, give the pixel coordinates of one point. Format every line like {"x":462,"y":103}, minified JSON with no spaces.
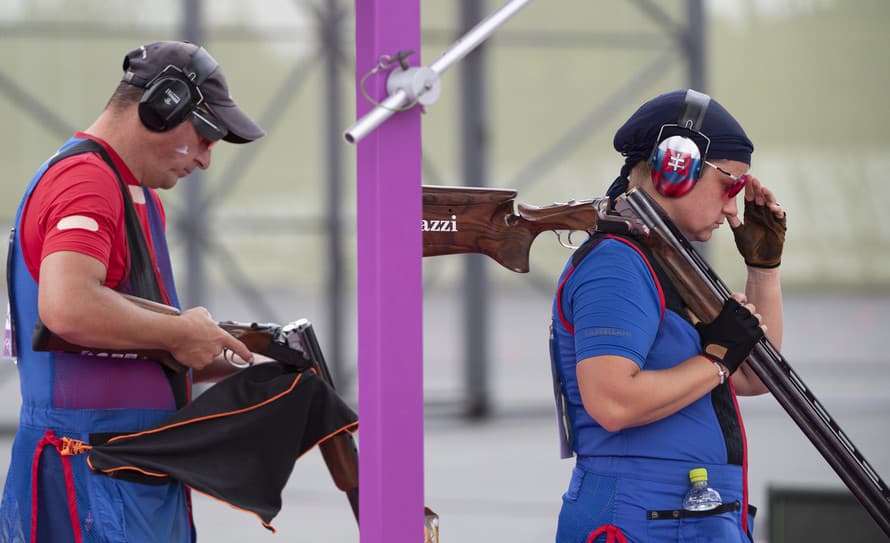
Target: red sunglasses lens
{"x":737,"y":187}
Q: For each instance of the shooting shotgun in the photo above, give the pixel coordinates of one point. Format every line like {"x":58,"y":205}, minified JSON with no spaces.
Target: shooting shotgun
{"x":295,"y":344}
{"x":478,"y":220}
{"x":700,"y":287}
{"x":259,"y":338}
{"x":704,"y":292}
{"x":339,"y":453}
{"x":44,"y":340}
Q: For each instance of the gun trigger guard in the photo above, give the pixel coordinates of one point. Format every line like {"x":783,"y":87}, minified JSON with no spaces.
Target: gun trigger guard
{"x":571,"y":243}
{"x":563,"y":243}
{"x":229,"y":356}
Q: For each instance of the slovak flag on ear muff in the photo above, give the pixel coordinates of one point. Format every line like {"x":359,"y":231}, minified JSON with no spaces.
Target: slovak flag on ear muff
{"x":676,"y":164}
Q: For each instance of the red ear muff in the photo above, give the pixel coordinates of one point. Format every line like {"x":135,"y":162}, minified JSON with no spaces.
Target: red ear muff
{"x":681,"y":148}
{"x":676,"y":165}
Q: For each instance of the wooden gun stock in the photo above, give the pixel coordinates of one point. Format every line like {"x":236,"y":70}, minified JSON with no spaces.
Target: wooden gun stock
{"x":45,"y":340}
{"x":488,"y":221}
{"x":257,"y":338}
{"x":157,"y":307}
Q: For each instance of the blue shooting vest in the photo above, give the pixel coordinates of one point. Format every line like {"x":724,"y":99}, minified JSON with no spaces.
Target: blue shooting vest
{"x":632,"y":482}
{"x":78,"y":396}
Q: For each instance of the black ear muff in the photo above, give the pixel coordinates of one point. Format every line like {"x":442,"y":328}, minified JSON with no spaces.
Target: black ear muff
{"x":174,"y":93}
{"x":681,"y":149}
{"x":167,"y":101}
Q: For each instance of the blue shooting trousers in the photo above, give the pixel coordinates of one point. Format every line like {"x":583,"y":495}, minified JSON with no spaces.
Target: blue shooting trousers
{"x":643,"y":498}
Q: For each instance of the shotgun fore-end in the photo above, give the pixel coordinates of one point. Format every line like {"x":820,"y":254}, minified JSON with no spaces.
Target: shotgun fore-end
{"x":341,"y":457}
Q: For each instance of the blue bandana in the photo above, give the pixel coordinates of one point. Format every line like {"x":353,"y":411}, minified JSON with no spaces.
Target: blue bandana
{"x":636,"y":137}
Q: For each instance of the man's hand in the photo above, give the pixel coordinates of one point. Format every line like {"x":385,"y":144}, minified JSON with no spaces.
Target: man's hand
{"x":201,"y":340}
{"x":761,"y":237}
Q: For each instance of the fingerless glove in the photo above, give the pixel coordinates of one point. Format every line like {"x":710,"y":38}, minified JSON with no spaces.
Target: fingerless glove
{"x":730,"y":337}
{"x":761,"y":237}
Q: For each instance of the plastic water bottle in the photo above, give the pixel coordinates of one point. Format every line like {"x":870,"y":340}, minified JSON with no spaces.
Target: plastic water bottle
{"x":701,"y":497}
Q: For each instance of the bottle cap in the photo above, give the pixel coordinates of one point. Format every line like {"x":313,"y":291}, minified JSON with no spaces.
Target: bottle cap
{"x":698,"y":474}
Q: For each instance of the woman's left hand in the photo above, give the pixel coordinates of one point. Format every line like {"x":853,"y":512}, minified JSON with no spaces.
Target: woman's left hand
{"x":761,"y":237}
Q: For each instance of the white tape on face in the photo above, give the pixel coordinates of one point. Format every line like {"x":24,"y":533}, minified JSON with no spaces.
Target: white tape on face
{"x":184,"y":150}
{"x":80,"y":222}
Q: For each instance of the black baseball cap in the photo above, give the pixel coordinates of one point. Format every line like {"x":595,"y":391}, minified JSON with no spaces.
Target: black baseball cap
{"x":143,"y":65}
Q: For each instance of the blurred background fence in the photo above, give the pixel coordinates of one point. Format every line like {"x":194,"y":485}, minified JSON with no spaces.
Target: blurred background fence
{"x":268,"y":232}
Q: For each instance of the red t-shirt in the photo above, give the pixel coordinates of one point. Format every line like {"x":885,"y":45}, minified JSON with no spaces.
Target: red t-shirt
{"x":78,"y":206}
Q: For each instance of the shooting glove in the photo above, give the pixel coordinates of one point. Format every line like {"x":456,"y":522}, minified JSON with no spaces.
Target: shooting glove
{"x":730,"y":337}
{"x":761,"y":237}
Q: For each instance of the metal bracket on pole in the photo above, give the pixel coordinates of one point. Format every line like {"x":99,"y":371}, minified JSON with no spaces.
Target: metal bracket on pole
{"x":421,"y":84}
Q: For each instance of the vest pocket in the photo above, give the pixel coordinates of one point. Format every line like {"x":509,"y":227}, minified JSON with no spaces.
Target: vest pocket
{"x":719,"y":524}
{"x":673,"y":514}
{"x":104,"y":518}
{"x":574,"y":490}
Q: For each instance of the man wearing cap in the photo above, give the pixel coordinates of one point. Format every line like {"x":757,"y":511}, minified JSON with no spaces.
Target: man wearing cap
{"x":647,"y":392}
{"x":90,"y":227}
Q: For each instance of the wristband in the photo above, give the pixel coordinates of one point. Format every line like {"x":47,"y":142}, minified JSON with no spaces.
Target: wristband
{"x":721,"y":370}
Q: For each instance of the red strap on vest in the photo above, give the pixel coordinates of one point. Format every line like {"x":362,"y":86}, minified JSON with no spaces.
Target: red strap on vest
{"x":49,"y":438}
{"x":738,"y":412}
{"x":613,"y":534}
{"x":661,"y":299}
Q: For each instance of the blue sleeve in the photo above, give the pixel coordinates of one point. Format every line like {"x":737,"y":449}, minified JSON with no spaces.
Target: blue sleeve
{"x":613,"y":303}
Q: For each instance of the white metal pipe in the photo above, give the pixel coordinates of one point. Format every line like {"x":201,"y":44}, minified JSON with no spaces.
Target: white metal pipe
{"x":476,"y":36}
{"x":376,"y":116}
{"x":452,"y":55}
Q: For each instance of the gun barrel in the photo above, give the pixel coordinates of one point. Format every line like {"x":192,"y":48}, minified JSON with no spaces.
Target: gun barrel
{"x":704,"y":291}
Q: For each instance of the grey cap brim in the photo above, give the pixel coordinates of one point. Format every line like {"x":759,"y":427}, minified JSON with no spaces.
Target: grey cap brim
{"x":143,"y":65}
{"x":242,"y":129}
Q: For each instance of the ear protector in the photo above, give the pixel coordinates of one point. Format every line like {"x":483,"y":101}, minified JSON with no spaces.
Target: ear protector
{"x":681,"y":149}
{"x":175,"y":94}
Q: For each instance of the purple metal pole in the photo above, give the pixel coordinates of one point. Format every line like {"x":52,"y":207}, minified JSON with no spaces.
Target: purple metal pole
{"x":390,"y":291}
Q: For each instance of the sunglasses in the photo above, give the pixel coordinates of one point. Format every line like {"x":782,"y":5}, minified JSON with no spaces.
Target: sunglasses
{"x":738,"y":181}
{"x":208,"y":124}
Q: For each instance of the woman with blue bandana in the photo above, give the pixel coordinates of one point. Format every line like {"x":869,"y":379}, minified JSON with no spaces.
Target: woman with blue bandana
{"x":648,"y":392}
